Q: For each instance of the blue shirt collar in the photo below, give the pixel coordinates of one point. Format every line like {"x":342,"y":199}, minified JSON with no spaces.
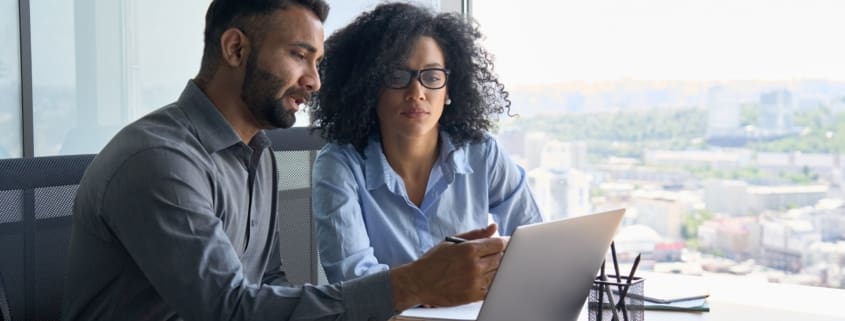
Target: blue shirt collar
{"x":453,"y":160}
{"x":455,"y":157}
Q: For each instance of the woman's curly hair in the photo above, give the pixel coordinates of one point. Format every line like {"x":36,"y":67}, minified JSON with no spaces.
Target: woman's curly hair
{"x":359,"y":56}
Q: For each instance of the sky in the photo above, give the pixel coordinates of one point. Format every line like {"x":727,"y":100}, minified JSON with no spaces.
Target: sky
{"x":544,"y":41}
{"x":536,"y":41}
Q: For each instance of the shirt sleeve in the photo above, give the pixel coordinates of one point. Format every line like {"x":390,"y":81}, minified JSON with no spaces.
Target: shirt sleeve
{"x":511,"y":201}
{"x":159,"y":204}
{"x":274,"y":273}
{"x":344,"y":244}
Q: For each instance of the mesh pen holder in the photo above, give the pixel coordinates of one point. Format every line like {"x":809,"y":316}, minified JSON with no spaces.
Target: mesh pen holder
{"x":600,"y":307}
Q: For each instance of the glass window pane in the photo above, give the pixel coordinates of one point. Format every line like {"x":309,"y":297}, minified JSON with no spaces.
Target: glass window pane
{"x":718,"y":124}
{"x":109,"y":62}
{"x":343,"y":11}
{"x":10,"y":81}
{"x":98,"y":65}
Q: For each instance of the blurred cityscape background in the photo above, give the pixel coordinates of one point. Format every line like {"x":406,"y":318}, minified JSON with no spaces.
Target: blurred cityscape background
{"x":740,"y":177}
{"x":718,"y":124}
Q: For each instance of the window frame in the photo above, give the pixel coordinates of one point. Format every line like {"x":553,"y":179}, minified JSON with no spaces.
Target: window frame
{"x":27,"y":120}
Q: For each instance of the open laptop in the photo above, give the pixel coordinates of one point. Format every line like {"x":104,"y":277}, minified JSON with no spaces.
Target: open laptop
{"x":545,"y":274}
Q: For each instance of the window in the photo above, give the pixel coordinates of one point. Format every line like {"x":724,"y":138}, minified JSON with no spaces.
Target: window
{"x":10,"y":81}
{"x":99,"y":65}
{"x":343,"y":11}
{"x":720,"y":125}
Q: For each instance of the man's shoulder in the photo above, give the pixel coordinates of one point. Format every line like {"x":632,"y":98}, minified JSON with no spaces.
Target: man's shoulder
{"x":163,"y":132}
{"x":165,"y":128}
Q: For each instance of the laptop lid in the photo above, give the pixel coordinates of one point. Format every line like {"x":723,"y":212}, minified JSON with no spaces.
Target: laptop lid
{"x":548,"y":268}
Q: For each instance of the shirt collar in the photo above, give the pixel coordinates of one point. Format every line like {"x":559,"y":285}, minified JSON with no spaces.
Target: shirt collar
{"x":212,"y":129}
{"x":453,"y":156}
{"x":378,"y":171}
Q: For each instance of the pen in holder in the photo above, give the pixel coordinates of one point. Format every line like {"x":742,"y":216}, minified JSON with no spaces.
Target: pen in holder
{"x":612,"y":300}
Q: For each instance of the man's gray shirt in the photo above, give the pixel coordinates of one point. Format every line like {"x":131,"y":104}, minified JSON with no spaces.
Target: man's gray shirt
{"x":176,"y":219}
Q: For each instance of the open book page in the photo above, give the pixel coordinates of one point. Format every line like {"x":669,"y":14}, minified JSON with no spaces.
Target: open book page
{"x":699,"y":305}
{"x":675,"y":293}
{"x":466,"y":312}
{"x":669,"y":288}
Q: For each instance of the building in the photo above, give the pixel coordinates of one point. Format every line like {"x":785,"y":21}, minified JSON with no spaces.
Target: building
{"x":740,"y":198}
{"x":561,"y":193}
{"x":636,"y":239}
{"x":723,"y":118}
{"x":736,"y":238}
{"x":784,"y":197}
{"x":664,"y":211}
{"x":717,"y":159}
{"x":563,"y":155}
{"x":828,"y":217}
{"x":784,"y":242}
{"x":827,"y":166}
{"x":533,"y":149}
{"x":827,"y":261}
{"x":513,"y":141}
{"x":775,"y":114}
{"x":668,"y":251}
{"x":727,"y":196}
{"x":644,"y":175}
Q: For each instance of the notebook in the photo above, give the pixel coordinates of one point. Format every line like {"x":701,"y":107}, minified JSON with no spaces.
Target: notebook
{"x":664,"y":293}
{"x":545,"y":274}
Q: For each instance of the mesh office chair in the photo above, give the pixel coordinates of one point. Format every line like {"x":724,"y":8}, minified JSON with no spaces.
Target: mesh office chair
{"x":5,"y":315}
{"x":36,"y":199}
{"x":295,"y":150}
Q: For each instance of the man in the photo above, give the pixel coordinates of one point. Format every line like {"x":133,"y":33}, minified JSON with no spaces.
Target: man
{"x":175,"y":218}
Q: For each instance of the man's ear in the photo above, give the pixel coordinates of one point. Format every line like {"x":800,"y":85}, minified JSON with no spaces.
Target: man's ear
{"x":235,"y":47}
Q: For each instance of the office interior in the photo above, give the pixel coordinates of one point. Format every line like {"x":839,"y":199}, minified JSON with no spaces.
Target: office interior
{"x":720,"y":125}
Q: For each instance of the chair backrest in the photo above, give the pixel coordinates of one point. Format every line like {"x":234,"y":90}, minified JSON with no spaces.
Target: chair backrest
{"x":5,"y":315}
{"x":295,"y":150}
{"x":36,"y":200}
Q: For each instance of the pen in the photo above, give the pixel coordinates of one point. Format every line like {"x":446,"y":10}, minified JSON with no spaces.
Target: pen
{"x":664,"y":301}
{"x":610,"y":299}
{"x":630,"y":279}
{"x":455,"y":239}
{"x":601,"y":294}
{"x":618,"y":277}
{"x":615,"y":263}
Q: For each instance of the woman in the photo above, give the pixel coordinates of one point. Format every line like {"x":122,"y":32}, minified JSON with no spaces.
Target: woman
{"x":407,"y":99}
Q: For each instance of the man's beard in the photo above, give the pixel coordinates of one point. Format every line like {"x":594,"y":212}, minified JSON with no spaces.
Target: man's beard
{"x":259,"y":90}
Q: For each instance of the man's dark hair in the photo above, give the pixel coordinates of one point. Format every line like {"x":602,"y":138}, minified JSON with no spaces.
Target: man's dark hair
{"x":244,"y":14}
{"x":358,"y":57}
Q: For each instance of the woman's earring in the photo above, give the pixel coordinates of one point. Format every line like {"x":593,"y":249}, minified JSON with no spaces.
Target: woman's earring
{"x":448,"y":101}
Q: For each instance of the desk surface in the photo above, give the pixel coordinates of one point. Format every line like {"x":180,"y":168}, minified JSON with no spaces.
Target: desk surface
{"x":739,"y":298}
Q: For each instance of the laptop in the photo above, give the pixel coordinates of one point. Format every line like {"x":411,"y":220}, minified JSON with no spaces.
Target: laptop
{"x":545,"y":274}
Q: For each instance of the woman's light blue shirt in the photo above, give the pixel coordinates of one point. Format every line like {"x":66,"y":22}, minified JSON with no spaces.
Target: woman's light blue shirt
{"x":366,"y":223}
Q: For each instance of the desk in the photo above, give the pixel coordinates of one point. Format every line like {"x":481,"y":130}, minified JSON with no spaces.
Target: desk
{"x":740,"y":298}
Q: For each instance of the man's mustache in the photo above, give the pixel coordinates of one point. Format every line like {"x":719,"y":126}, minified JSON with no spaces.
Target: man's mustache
{"x":299,"y":93}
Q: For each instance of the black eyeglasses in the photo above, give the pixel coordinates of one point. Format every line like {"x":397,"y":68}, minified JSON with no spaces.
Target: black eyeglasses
{"x":431,"y":78}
